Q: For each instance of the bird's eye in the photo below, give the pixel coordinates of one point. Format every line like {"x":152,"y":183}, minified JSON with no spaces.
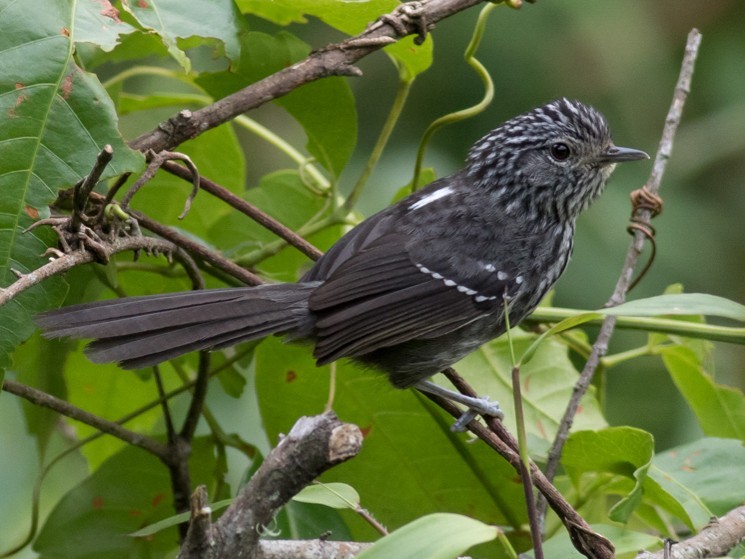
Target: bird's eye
{"x":560,"y":151}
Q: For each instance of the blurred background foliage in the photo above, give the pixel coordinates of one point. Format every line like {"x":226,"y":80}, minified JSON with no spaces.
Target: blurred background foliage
{"x":622,"y":57}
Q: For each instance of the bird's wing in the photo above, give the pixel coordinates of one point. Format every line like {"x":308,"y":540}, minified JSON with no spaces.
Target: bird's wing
{"x":381,"y":296}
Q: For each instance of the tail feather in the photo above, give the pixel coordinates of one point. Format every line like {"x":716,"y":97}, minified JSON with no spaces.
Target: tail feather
{"x":143,"y":331}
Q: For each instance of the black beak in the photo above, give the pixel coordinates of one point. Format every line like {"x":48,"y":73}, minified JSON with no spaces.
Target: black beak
{"x":614,"y":154}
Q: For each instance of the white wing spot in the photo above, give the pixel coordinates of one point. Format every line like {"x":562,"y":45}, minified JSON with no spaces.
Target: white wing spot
{"x":501,"y":276}
{"x":431,"y":197}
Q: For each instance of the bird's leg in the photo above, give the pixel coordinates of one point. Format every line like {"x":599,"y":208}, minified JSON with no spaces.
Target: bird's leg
{"x":476,"y":406}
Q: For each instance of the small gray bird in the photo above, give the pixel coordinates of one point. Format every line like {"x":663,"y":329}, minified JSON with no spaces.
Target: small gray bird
{"x":412,"y":289}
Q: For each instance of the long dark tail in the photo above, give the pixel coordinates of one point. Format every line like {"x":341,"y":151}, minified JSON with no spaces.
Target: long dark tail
{"x":138,"y":332}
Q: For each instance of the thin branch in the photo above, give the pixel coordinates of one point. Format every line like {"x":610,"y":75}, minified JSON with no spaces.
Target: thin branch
{"x":333,"y":60}
{"x":248,"y":209}
{"x":83,"y":190}
{"x":198,"y":397}
{"x":600,"y":347}
{"x":719,"y":537}
{"x":45,"y":400}
{"x":193,"y":247}
{"x":584,"y":538}
{"x":70,"y":260}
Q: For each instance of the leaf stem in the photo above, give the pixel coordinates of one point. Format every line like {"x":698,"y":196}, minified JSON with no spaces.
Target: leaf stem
{"x":712,"y":332}
{"x":320,"y":183}
{"x":479,"y":107}
{"x":402,"y":93}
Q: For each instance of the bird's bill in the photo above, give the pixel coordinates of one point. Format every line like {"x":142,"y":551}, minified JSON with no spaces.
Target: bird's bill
{"x":615,"y":154}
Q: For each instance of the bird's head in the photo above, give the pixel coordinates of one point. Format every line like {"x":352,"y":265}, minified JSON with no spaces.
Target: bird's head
{"x":555,"y":158}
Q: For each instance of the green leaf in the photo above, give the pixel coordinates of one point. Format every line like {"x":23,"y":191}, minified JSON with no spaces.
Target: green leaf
{"x":334,"y":495}
{"x":623,"y":451}
{"x":566,"y":324}
{"x":281,"y":14}
{"x":40,"y":363}
{"x":54,"y":120}
{"x":436,"y":536}
{"x":175,"y":520}
{"x":706,"y":473}
{"x":129,"y":491}
{"x":407,"y":442}
{"x":98,"y":22}
{"x":547,"y":383}
{"x":719,"y":409}
{"x":681,"y":304}
{"x":174,"y":19}
{"x":627,"y":542}
{"x":350,"y":18}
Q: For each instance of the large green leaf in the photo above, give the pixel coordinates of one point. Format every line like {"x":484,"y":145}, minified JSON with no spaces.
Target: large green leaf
{"x":681,"y":304}
{"x":547,"y":381}
{"x":706,"y":474}
{"x":172,"y":20}
{"x":407,"y":443}
{"x":436,"y":536}
{"x":350,"y":18}
{"x":54,"y":120}
{"x":129,"y":491}
{"x":98,"y":22}
{"x":623,"y":451}
{"x":719,"y":409}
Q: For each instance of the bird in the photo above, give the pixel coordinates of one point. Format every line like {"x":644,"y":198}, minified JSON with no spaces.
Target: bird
{"x":415,"y":287}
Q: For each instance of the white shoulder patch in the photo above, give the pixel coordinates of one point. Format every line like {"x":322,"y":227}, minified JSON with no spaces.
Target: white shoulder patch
{"x":431,"y":197}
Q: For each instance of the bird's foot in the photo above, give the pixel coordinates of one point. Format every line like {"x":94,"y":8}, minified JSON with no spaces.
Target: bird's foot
{"x":476,"y":406}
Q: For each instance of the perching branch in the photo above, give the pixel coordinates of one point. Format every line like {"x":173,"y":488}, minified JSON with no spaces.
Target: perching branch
{"x":65,"y":262}
{"x":312,"y":446}
{"x":409,"y":18}
{"x":585,"y":539}
{"x":600,"y":347}
{"x":719,"y":537}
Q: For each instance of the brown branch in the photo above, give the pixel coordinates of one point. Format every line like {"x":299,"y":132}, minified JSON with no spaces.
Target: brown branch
{"x":585,"y":540}
{"x":45,"y":400}
{"x":719,"y":537}
{"x":83,"y":189}
{"x":248,"y":209}
{"x":312,"y":446}
{"x":68,"y":261}
{"x":193,"y":247}
{"x":333,"y":60}
{"x":600,"y":347}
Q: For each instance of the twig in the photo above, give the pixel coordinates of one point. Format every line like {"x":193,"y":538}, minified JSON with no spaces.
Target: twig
{"x":600,"y":347}
{"x":333,"y":60}
{"x":584,"y":538}
{"x":192,"y":247}
{"x":45,"y":400}
{"x":248,"y":209}
{"x":197,"y":399}
{"x":84,"y":189}
{"x":719,"y":537}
